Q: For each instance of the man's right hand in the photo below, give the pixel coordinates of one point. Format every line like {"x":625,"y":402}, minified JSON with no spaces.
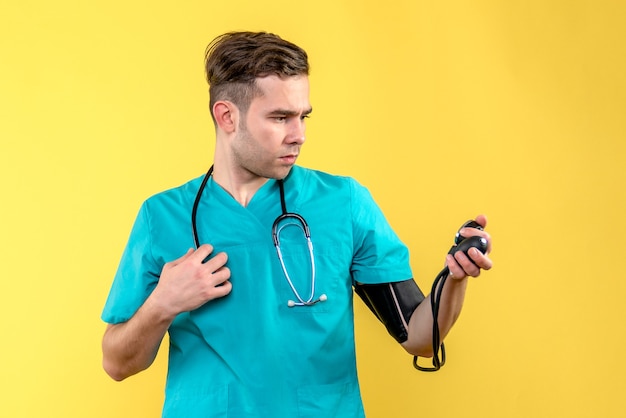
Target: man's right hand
{"x":189,"y":282}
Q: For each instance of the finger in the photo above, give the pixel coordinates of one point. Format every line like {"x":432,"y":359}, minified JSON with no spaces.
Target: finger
{"x":183,"y":258}
{"x":224,"y":289}
{"x":469,"y":268}
{"x":202,"y":252}
{"x":467,"y":232}
{"x":216,"y":262}
{"x":480,"y":259}
{"x":456,"y":271}
{"x":220,"y":276}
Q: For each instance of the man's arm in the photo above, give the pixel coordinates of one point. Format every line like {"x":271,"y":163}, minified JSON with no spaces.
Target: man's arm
{"x":461,"y":267}
{"x":131,"y":346}
{"x":184,"y":285}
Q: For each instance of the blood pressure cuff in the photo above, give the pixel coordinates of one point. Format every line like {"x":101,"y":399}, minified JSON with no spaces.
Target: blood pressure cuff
{"x":392,"y":303}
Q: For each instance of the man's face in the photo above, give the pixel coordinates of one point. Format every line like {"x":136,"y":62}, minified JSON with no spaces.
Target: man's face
{"x":271,"y":133}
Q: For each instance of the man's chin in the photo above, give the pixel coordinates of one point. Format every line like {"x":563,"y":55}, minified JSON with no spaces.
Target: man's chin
{"x":283,"y":173}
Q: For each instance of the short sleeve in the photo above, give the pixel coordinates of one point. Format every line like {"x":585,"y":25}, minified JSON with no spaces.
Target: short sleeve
{"x":379,"y":254}
{"x":137,"y":273}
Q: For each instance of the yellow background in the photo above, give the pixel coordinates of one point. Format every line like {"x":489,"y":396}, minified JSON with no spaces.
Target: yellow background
{"x":443,"y":109}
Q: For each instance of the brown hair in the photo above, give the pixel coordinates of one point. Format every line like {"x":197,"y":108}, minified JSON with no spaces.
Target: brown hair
{"x":234,"y":60}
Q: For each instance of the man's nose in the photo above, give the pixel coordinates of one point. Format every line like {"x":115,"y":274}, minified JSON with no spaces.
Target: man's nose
{"x":296,"y":135}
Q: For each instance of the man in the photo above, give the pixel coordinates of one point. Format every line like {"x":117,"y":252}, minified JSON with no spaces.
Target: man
{"x":260,"y":323}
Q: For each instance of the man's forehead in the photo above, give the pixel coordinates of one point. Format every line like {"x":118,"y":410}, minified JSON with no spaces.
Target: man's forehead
{"x":284,"y":93}
{"x":273,"y":83}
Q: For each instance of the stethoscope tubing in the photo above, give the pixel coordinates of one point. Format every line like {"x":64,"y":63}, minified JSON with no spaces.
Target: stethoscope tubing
{"x":276,"y":229}
{"x":194,"y":210}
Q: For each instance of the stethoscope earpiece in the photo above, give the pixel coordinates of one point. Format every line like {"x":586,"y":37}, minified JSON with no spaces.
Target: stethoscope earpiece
{"x":322,"y":298}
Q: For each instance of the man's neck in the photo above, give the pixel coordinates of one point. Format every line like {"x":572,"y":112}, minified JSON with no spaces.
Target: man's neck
{"x":242,"y":188}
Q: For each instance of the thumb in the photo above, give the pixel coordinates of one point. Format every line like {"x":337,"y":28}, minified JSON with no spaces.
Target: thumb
{"x":482,"y":220}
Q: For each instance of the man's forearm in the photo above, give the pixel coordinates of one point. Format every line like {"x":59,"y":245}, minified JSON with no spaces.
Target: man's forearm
{"x":420,"y":342}
{"x":130,"y":347}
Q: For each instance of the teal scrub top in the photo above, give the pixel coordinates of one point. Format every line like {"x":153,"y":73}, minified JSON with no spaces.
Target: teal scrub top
{"x":249,"y":354}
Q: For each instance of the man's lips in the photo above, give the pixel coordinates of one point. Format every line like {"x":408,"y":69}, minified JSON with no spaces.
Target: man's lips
{"x":289,"y":159}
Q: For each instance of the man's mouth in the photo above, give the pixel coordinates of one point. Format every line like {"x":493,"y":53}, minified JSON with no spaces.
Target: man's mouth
{"x":289,"y":159}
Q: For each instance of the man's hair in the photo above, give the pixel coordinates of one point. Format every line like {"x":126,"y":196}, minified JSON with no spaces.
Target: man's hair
{"x":234,"y":60}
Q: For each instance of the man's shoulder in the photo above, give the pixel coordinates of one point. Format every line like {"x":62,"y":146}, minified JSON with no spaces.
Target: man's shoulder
{"x":180,"y":194}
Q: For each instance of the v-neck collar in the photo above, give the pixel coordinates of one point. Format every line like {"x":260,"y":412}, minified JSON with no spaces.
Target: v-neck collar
{"x":218,"y":210}
{"x":216,"y":191}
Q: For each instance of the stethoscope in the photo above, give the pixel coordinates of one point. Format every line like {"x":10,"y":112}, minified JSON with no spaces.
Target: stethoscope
{"x":283,"y":220}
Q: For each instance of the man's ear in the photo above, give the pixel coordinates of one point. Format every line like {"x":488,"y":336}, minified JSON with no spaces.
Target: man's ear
{"x":226,"y":116}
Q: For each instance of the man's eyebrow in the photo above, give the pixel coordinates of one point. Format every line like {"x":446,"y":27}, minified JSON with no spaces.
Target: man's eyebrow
{"x":287,"y":112}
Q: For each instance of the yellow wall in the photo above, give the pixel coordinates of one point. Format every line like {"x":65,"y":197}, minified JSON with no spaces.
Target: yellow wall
{"x":443,"y":109}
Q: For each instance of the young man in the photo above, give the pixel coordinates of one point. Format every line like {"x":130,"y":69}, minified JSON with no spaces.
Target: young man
{"x":260,"y":317}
